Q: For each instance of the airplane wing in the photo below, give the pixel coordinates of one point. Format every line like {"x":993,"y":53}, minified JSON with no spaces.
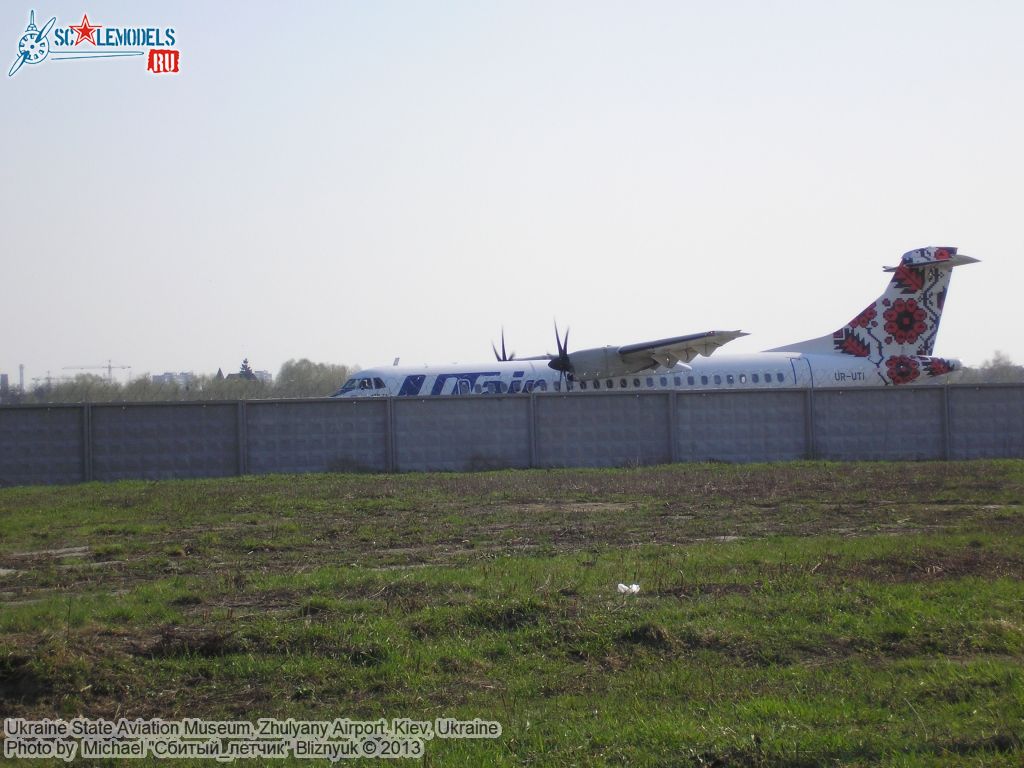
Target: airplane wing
{"x":668,"y":352}
{"x":608,"y":361}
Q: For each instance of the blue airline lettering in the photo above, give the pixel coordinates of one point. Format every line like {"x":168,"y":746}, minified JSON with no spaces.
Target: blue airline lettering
{"x":412,"y":385}
{"x":443,"y":378}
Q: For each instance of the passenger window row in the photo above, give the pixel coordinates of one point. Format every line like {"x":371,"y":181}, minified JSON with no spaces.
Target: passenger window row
{"x":662,"y":381}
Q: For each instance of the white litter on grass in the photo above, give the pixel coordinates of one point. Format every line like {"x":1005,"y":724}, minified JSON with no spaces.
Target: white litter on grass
{"x":632,"y":589}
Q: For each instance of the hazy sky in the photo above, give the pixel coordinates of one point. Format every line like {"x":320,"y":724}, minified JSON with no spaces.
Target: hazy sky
{"x":356,"y":181}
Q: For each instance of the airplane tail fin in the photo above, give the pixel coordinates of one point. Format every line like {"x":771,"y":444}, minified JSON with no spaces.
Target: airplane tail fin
{"x":897,"y":330}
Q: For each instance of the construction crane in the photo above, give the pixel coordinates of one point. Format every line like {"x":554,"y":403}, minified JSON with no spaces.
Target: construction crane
{"x":109,"y":368}
{"x":37,"y":379}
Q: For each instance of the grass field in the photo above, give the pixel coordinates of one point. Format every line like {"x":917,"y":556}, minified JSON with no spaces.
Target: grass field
{"x":789,"y":615}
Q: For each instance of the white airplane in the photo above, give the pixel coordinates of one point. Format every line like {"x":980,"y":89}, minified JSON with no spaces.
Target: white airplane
{"x":889,"y":342}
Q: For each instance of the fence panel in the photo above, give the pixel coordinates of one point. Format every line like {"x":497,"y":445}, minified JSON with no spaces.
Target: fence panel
{"x":317,"y":436}
{"x":896,"y":424}
{"x":986,"y":422}
{"x":41,"y":445}
{"x":740,"y":426}
{"x":603,"y":430}
{"x":164,"y":441}
{"x":461,"y":433}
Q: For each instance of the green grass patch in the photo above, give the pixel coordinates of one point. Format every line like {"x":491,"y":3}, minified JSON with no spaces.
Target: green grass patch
{"x":788,"y":615}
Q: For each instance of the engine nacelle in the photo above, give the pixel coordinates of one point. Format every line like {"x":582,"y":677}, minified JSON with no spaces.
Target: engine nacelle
{"x":601,"y":363}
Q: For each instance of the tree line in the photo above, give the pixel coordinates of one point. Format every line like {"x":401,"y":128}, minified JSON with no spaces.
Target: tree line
{"x":1000,"y":369}
{"x":297,"y":378}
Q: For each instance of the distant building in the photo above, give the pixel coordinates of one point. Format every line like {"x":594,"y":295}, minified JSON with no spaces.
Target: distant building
{"x":182,"y":379}
{"x":265,"y":376}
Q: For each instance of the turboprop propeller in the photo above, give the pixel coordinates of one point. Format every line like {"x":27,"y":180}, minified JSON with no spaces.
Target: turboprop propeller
{"x":504,"y":357}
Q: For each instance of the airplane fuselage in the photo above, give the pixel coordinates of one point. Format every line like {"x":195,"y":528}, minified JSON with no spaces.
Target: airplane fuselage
{"x":764,"y":370}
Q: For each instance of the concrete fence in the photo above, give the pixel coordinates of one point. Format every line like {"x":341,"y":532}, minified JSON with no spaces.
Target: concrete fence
{"x":76,"y":443}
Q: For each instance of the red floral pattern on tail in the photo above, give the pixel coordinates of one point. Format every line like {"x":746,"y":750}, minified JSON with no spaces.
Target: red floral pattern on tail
{"x":864,"y":318}
{"x":937,"y":366}
{"x":849,"y":343}
{"x":902,"y":369}
{"x":910,"y":279}
{"x":904,"y":321}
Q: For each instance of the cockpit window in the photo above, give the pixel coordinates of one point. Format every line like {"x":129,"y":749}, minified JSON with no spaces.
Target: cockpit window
{"x":361,"y":383}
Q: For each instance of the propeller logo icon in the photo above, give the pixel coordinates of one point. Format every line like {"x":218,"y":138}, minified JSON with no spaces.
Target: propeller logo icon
{"x":34,"y":45}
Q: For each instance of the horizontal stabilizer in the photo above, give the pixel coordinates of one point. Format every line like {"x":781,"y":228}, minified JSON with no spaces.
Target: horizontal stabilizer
{"x":942,"y":256}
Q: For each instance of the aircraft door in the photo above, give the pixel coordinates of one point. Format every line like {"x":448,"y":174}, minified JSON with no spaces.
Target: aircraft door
{"x":802,"y":374}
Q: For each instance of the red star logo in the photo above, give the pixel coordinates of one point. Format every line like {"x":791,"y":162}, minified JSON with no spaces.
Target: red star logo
{"x":85,"y":30}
